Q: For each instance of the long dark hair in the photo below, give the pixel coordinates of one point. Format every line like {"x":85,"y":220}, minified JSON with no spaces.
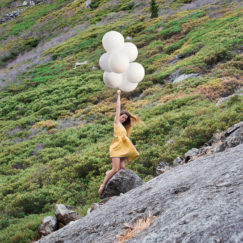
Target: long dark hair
{"x":130,"y":121}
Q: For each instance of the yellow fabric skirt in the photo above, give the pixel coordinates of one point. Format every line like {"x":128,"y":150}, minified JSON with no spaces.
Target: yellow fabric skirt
{"x":121,"y":145}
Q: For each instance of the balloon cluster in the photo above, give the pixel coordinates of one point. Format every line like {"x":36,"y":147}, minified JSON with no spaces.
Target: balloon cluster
{"x":120,"y":70}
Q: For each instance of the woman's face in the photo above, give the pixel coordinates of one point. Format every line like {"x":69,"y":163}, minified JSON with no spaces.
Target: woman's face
{"x":123,"y":118}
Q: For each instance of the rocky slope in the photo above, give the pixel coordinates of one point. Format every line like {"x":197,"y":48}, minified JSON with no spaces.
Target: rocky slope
{"x":56,"y":120}
{"x":196,"y":202}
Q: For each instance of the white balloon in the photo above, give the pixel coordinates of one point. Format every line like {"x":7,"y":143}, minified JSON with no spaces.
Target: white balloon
{"x":126,"y":86}
{"x":130,"y":50}
{"x":103,"y":62}
{"x":135,"y":72}
{"x":113,"y":41}
{"x":112,"y":80}
{"x":118,"y":62}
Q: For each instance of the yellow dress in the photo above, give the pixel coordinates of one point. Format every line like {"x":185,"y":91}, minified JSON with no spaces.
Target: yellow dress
{"x":121,"y":145}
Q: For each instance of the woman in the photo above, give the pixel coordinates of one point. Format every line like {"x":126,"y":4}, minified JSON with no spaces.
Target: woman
{"x":121,"y":146}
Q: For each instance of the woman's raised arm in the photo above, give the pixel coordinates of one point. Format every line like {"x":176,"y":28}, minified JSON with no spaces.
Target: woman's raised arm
{"x":118,"y":107}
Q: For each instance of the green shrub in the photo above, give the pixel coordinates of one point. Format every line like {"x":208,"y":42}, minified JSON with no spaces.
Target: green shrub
{"x":154,"y":9}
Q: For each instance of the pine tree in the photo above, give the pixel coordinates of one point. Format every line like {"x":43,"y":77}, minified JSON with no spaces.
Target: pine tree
{"x":154,"y":9}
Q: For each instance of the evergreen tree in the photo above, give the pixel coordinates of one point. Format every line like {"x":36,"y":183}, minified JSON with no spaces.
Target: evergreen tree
{"x":154,"y":9}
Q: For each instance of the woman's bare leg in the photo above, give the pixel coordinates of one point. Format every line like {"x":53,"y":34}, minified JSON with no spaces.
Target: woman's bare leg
{"x":123,"y":163}
{"x":110,"y":173}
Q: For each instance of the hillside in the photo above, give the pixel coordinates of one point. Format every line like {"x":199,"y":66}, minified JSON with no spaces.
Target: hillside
{"x":56,"y":121}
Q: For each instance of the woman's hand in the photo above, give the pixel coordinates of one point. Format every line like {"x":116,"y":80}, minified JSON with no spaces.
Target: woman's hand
{"x":118,"y":92}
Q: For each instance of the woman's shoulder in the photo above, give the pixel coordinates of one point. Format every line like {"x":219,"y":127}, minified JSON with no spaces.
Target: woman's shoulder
{"x":118,"y":124}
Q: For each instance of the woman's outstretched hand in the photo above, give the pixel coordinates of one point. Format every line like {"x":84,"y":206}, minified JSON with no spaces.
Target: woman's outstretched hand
{"x":118,"y":92}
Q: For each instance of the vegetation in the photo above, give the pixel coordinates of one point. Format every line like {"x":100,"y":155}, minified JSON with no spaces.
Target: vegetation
{"x":56,"y":122}
{"x":154,"y":9}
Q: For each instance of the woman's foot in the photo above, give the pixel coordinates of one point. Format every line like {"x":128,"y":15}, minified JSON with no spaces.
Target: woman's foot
{"x":102,"y":187}
{"x":107,"y":172}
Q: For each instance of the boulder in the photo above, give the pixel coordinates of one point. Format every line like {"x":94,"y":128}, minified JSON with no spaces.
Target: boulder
{"x":65,"y":215}
{"x":178,"y":160}
{"x":121,"y":182}
{"x":200,"y":201}
{"x":48,"y":225}
{"x":190,"y":154}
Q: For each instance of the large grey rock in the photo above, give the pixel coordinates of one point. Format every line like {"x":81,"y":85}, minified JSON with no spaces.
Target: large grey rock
{"x":48,"y":225}
{"x":200,"y":201}
{"x":121,"y":182}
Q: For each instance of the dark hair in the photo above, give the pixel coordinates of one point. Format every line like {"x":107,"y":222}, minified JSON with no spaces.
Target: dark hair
{"x":131,"y":119}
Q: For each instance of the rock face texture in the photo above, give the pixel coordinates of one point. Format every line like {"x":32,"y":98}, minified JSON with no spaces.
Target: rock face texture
{"x":48,"y":225}
{"x":200,"y":201}
{"x":65,"y":215}
{"x":123,"y":181}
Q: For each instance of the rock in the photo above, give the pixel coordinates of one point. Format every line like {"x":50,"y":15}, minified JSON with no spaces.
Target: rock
{"x":87,"y":3}
{"x":94,"y":206}
{"x":235,"y":138}
{"x":184,"y":76}
{"x":177,"y":77}
{"x":162,"y":167}
{"x":200,"y":201}
{"x":32,"y":2}
{"x":204,"y":150}
{"x":11,"y":15}
{"x":178,"y":160}
{"x":64,"y":215}
{"x":25,"y":3}
{"x":175,"y":60}
{"x":128,"y":38}
{"x":190,"y":154}
{"x":219,"y":148}
{"x":80,"y":64}
{"x":232,"y":129}
{"x":231,"y":138}
{"x":123,"y":181}
{"x":48,"y":225}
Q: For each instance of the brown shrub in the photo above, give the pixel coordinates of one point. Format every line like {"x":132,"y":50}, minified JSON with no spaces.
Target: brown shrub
{"x":219,"y":88}
{"x":138,"y":226}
